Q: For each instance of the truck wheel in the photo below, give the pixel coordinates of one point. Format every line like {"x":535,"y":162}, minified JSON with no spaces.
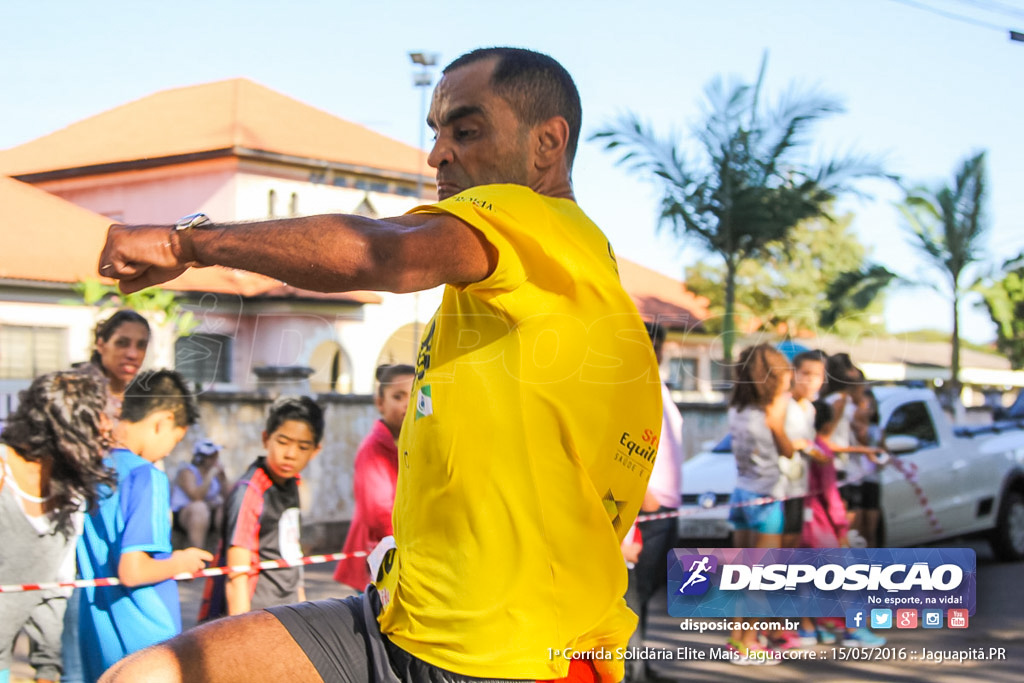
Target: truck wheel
{"x":1008,"y":537}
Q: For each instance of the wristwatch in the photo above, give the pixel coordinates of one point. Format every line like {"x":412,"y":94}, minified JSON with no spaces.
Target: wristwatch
{"x":193,"y":220}
{"x":183,"y":232}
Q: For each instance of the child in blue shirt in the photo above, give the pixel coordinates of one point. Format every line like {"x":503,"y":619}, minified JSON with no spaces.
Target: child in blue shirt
{"x":128,"y":535}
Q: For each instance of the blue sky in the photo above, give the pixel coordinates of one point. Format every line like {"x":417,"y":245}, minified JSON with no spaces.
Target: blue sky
{"x":921,"y":90}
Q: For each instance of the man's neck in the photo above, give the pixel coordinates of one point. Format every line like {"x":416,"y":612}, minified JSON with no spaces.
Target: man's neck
{"x":557,"y":190}
{"x":553,"y":182}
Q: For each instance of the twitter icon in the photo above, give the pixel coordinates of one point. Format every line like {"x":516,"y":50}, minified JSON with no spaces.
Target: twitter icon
{"x":881,"y":618}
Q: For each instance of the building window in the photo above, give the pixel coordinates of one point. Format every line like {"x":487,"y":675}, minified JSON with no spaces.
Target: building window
{"x":203,"y":358}
{"x":27,"y":352}
{"x":271,"y":203}
{"x":293,"y":204}
{"x":682,"y":374}
{"x":718,"y":376}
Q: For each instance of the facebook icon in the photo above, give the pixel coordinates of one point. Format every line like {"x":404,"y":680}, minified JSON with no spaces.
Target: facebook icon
{"x":855,"y":618}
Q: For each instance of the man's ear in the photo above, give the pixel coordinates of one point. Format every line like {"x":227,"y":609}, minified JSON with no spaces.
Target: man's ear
{"x":551,"y":139}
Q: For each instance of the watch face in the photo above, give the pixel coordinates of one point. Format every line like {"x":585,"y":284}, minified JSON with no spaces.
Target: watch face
{"x":191,"y":221}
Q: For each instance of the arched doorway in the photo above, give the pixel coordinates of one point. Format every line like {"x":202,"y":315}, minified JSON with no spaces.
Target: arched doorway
{"x":332,"y":369}
{"x":402,"y":346}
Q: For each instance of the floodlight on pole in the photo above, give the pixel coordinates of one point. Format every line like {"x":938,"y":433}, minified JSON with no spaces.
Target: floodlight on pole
{"x":422,"y":78}
{"x":424,"y":58}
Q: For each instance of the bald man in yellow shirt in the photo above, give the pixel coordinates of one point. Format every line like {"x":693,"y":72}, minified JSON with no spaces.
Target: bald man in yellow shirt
{"x":534,"y":420}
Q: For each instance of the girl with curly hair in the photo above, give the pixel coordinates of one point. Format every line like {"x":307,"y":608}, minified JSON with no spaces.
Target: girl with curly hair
{"x":51,"y":467}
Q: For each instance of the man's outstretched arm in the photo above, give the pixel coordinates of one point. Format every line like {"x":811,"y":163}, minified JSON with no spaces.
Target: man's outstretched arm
{"x":327,"y":253}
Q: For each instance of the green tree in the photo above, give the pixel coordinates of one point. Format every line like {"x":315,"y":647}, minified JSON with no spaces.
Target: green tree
{"x":823,"y":283}
{"x":1004,"y":300}
{"x":948,"y":224}
{"x":163,"y":302}
{"x":749,"y":184}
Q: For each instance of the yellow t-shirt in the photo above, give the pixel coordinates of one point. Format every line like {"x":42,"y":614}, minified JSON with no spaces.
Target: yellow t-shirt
{"x":525,"y":452}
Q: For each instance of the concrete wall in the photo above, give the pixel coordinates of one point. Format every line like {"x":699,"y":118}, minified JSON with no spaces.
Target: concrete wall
{"x":236,"y":421}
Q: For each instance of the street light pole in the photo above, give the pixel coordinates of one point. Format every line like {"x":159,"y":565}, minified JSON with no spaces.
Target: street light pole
{"x":422,"y":78}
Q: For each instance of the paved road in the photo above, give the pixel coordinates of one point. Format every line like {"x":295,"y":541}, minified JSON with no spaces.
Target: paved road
{"x":998,"y":623}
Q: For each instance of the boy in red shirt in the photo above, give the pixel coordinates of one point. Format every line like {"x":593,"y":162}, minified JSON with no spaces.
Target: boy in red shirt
{"x":376,"y":475}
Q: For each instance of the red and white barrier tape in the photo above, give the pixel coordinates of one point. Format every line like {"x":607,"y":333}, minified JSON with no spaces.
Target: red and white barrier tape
{"x":210,"y":571}
{"x":908,"y":470}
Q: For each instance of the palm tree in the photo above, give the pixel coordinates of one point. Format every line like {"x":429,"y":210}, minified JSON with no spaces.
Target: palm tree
{"x":948,"y":225}
{"x":1002,"y":296}
{"x":853,"y":291}
{"x":749,"y":187}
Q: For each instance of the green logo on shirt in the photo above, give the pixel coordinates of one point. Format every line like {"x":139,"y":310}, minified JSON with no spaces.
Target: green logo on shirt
{"x":424,"y":404}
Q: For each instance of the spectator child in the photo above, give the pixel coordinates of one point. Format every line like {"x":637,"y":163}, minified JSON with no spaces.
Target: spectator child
{"x":261,"y":516}
{"x":51,"y":462}
{"x":808,"y":377}
{"x":868,"y":433}
{"x":844,"y":390}
{"x":376,"y":475}
{"x":128,"y":535}
{"x":827,"y":524}
{"x":197,"y":499}
{"x":757,"y":415}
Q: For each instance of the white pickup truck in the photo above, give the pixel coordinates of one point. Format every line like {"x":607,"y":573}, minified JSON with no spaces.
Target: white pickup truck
{"x":972,"y":477}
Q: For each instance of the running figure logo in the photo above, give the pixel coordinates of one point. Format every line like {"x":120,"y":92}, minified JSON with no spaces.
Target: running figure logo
{"x":697,"y":568}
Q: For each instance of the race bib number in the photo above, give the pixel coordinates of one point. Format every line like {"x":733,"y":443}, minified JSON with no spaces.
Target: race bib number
{"x":288,"y":535}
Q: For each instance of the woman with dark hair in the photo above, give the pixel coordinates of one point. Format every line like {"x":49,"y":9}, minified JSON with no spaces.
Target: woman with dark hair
{"x":121,"y":342}
{"x":120,"y":347}
{"x":51,"y":452}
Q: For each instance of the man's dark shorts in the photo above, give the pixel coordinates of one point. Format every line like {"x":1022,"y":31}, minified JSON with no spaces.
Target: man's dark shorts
{"x":343,"y":641}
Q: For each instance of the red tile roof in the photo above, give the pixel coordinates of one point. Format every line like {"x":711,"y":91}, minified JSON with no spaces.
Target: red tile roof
{"x":45,"y":238}
{"x":660,"y":297}
{"x":223,"y":115}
